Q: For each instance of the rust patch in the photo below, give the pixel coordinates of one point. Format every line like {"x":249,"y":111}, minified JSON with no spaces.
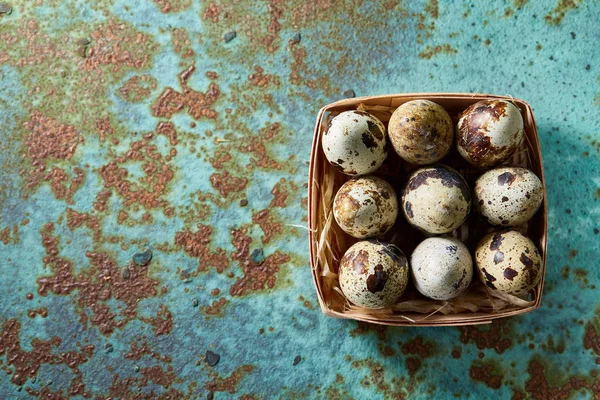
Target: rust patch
{"x":212,"y":12}
{"x":138,"y":88}
{"x":198,"y":104}
{"x":226,"y":184}
{"x":364,"y":328}
{"x":431,"y":51}
{"x":279,"y":195}
{"x":418,"y":347}
{"x":591,"y":340}
{"x":117,"y":45}
{"x":228,"y":384}
{"x":163,"y":322}
{"x":262,"y":80}
{"x":486,"y":373}
{"x":26,"y":364}
{"x":142,"y":349}
{"x":216,"y":308}
{"x":146,"y":191}
{"x":256,"y":146}
{"x":50,"y":139}
{"x":182,"y":43}
{"x":556,"y":15}
{"x":104,"y":128}
{"x":97,"y":285}
{"x":412,"y":365}
{"x":197,"y":244}
{"x":167,"y":129}
{"x":496,"y":336}
{"x":42,"y":312}
{"x":256,"y":276}
{"x":539,"y":388}
{"x":269,"y":227}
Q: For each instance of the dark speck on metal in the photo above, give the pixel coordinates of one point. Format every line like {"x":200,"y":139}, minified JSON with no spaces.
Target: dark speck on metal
{"x":142,"y":258}
{"x":211,"y":358}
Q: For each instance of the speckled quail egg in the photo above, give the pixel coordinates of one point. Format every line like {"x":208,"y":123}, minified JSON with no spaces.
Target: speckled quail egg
{"x":421,"y":131}
{"x":373,"y":274}
{"x":509,"y":262}
{"x":441,"y":267}
{"x":355,"y":142}
{"x":508,"y":196}
{"x":365,"y":207}
{"x":489,"y":131}
{"x":436,"y":199}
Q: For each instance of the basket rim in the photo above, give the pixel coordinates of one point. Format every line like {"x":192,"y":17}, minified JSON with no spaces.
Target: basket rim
{"x":526,"y":112}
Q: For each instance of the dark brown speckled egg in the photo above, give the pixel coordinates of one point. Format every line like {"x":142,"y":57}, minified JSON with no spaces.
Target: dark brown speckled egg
{"x":509,"y":262}
{"x":373,"y":274}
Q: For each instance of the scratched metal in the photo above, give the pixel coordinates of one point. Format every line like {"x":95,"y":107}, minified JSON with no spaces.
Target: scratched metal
{"x":129,"y":125}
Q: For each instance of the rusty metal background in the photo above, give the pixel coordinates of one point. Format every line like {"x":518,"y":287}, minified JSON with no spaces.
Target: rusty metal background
{"x":184,"y":127}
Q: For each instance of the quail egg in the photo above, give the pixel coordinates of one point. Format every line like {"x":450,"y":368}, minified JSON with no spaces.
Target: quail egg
{"x":436,"y":200}
{"x":373,"y":274}
{"x":355,"y":143}
{"x":508,"y":196}
{"x":441,"y":267}
{"x":509,"y":262}
{"x":421,"y":131}
{"x":365,"y":207}
{"x":489,"y":131}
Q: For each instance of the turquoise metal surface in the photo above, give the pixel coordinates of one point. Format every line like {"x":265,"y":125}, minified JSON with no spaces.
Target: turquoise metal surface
{"x":134,"y":125}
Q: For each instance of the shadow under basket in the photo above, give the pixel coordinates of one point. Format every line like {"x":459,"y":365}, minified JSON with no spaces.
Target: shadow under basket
{"x":328,"y":243}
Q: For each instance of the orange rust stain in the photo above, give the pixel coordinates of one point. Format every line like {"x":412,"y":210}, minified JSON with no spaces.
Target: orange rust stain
{"x":256,"y":146}
{"x":181,"y":43}
{"x":431,"y":51}
{"x":101,"y":200}
{"x":100,"y":282}
{"x":485,"y":373}
{"x":279,"y":195}
{"x":48,"y":138}
{"x":226,"y":184}
{"x":212,"y":12}
{"x":197,"y":244}
{"x":216,"y":308}
{"x":198,"y":104}
{"x":228,"y":384}
{"x":115,"y":44}
{"x":59,"y":182}
{"x":262,"y":80}
{"x":556,"y":15}
{"x":167,"y":129}
{"x":163,"y":322}
{"x":167,"y":6}
{"x":104,"y":128}
{"x":138,"y":88}
{"x":148,"y":190}
{"x":256,"y":276}
{"x":269,"y":227}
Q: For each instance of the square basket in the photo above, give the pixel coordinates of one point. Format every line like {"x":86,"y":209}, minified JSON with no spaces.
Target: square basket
{"x":328,"y":242}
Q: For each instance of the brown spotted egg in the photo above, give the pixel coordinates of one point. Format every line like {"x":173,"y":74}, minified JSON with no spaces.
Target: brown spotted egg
{"x":421,"y":131}
{"x":509,"y":262}
{"x":436,"y":200}
{"x":508,"y":196}
{"x":355,"y":143}
{"x":373,"y":274}
{"x":489,"y":132}
{"x":365,"y":207}
{"x":441,"y":267}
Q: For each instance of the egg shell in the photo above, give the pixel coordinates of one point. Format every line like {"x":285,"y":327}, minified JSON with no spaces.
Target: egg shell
{"x":421,"y":132}
{"x":365,"y":207}
{"x":489,"y":132}
{"x":436,"y":200}
{"x":508,"y":196}
{"x":373,"y":274}
{"x":509,"y":262}
{"x":441,"y":267}
{"x":355,"y":143}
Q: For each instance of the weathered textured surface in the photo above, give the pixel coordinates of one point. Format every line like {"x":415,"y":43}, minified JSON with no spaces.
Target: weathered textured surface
{"x":129,"y":125}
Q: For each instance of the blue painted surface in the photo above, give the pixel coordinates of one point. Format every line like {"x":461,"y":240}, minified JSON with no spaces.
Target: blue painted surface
{"x":372,"y":49}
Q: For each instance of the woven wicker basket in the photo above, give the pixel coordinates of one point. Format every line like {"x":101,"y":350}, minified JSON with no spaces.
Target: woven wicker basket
{"x":328,"y":242}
